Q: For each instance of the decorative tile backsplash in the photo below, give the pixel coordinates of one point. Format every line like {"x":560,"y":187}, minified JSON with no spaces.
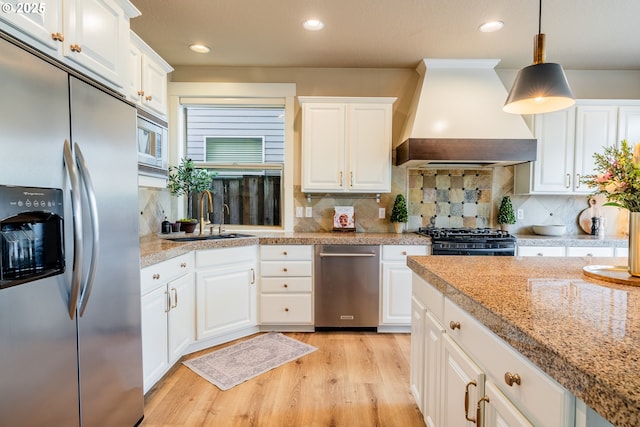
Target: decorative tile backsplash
{"x":452,"y":197}
{"x":444,"y":198}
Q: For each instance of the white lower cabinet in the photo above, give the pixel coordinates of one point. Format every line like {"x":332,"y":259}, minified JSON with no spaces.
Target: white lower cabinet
{"x":226,"y":295}
{"x":471,"y":377}
{"x":395,"y":300}
{"x":286,"y":285}
{"x":417,"y":362}
{"x":461,"y":388}
{"x":168,"y":315}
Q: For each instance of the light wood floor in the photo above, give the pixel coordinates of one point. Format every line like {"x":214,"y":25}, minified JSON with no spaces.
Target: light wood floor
{"x":353,"y":379}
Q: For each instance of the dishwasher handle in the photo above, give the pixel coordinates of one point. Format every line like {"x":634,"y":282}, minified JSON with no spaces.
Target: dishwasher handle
{"x":344,"y":254}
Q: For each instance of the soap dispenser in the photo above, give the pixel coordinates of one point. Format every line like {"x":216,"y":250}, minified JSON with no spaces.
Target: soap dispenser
{"x":166,"y":226}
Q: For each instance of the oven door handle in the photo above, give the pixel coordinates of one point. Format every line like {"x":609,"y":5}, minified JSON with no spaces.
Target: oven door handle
{"x":76,"y":208}
{"x":87,"y":184}
{"x":329,"y":254}
{"x":470,"y":251}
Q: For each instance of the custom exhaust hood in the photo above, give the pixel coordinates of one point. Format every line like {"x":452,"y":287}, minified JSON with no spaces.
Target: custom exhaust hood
{"x":456,"y":119}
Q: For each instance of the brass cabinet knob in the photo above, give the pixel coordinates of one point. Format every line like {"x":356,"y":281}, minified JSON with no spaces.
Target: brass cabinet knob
{"x":75,"y":48}
{"x":454,"y":325}
{"x":156,"y":276}
{"x":183,"y":265}
{"x":148,"y":97}
{"x":140,"y":93}
{"x":59,"y":37}
{"x":286,"y":286}
{"x":285,"y":269}
{"x":286,"y":309}
{"x":511,"y":379}
{"x":284,"y":253}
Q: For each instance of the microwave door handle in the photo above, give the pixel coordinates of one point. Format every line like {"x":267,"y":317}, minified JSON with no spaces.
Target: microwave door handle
{"x":87,"y":185}
{"x":76,"y":208}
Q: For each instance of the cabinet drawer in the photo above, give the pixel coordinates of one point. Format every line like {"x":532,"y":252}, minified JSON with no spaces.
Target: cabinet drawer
{"x":284,"y":309}
{"x":589,"y":251}
{"x":429,"y":296}
{"x":285,"y":268}
{"x":541,"y":251}
{"x":286,"y":284}
{"x":400,"y":252}
{"x":543,"y":400}
{"x":286,"y":252}
{"x":154,"y":275}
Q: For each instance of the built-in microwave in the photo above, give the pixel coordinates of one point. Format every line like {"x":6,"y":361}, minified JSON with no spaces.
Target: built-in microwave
{"x":152,"y":145}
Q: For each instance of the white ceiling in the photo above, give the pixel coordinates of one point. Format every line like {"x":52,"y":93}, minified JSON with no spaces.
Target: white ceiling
{"x":581,"y":34}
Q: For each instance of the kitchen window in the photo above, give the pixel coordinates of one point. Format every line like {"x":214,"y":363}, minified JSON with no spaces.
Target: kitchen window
{"x":244,"y":147}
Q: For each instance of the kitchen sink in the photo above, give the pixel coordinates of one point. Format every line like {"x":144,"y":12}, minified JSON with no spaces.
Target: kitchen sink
{"x":196,"y":238}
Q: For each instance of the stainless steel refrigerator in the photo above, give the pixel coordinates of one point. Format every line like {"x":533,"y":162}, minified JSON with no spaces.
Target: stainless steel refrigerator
{"x":70,"y":345}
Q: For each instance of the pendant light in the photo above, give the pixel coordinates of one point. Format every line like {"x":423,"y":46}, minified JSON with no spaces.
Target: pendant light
{"x":541,"y":87}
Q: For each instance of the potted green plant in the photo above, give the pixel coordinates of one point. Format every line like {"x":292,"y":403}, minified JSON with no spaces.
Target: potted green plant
{"x":399,"y":214}
{"x":506,"y":216}
{"x":185,"y":179}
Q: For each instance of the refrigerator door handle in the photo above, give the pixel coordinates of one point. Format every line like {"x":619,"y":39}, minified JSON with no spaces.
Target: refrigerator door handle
{"x":87,"y":184}
{"x":76,"y":207}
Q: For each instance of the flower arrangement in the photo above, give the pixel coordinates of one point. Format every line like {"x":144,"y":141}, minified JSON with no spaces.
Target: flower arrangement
{"x":618,"y":176}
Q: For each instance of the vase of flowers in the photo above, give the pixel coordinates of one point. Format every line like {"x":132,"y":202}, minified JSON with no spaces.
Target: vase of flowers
{"x":618,"y":178}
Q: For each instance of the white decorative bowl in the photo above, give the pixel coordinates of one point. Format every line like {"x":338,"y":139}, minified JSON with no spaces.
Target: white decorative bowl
{"x":550,"y":230}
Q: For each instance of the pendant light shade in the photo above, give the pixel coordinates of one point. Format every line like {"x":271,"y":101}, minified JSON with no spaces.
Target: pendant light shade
{"x":541,"y":87}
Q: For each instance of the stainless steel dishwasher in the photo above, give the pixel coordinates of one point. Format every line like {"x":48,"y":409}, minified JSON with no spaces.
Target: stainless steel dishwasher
{"x":347,"y":283}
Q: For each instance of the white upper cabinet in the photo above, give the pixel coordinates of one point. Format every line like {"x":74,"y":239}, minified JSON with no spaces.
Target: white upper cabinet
{"x":567,"y":140}
{"x":147,"y":83}
{"x":35,"y":26}
{"x":88,"y":35}
{"x":596,"y":128}
{"x":346,"y":144}
{"x":629,"y":124}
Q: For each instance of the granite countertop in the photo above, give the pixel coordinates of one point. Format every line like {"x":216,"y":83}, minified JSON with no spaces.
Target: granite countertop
{"x":583,"y":332}
{"x":156,"y":248}
{"x":617,"y":241}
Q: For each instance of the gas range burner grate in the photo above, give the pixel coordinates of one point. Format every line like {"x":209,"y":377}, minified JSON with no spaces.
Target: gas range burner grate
{"x":463,"y":233}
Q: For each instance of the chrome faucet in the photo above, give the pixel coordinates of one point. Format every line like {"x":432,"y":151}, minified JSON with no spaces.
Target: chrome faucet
{"x":221,"y":227}
{"x":209,"y":206}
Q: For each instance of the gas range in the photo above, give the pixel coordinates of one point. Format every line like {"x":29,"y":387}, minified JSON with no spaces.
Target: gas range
{"x":469,"y":241}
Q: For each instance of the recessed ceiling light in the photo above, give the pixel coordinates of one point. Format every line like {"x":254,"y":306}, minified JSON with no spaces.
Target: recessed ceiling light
{"x":313,"y":25}
{"x":491,"y":26}
{"x":200,"y":48}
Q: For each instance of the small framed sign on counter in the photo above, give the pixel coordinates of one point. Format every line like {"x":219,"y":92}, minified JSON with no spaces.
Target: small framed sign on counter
{"x":344,"y":218}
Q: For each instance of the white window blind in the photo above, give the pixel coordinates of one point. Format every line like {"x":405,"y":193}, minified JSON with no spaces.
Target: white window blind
{"x":232,"y":150}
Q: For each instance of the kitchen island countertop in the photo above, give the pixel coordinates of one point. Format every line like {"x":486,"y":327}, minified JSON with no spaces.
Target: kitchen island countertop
{"x":157,"y":248}
{"x":583,"y":332}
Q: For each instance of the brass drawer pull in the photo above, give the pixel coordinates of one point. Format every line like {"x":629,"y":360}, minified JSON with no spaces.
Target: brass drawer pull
{"x":155,"y":276}
{"x":75,"y":48}
{"x":183,"y":265}
{"x":466,"y":400}
{"x":454,"y":325}
{"x":59,"y":37}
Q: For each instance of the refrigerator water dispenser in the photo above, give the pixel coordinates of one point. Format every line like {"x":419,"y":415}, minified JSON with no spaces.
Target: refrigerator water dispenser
{"x":31,"y":234}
